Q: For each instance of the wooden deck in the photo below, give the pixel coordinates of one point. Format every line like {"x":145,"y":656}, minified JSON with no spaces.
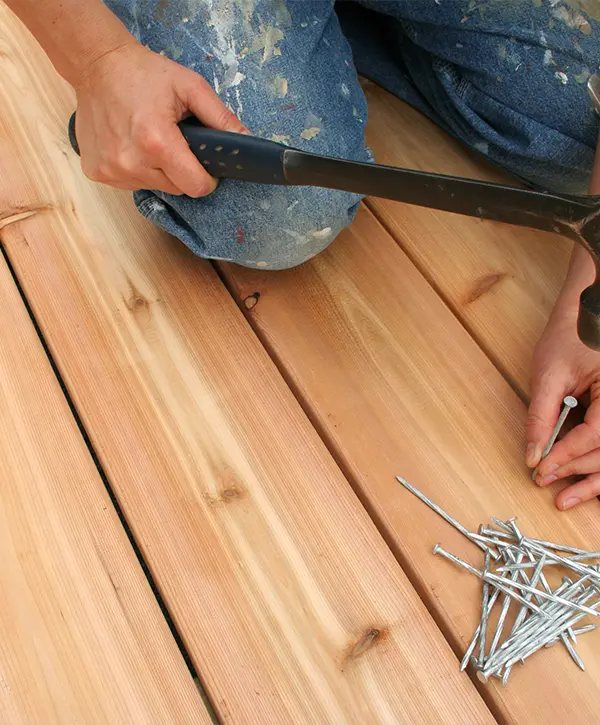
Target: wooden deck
{"x":198,"y":510}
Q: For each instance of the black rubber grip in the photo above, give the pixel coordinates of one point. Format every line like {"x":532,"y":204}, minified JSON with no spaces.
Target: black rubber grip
{"x":235,"y":156}
{"x":226,"y":155}
{"x":72,"y":135}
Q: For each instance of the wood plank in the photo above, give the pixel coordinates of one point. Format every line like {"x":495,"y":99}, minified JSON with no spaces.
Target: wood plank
{"x":501,"y":281}
{"x":397,"y":386}
{"x":83,"y":638}
{"x":288,"y":600}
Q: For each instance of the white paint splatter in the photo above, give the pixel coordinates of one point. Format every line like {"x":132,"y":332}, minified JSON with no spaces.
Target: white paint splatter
{"x":240,"y":107}
{"x":571,"y":18}
{"x":322,"y":233}
{"x":223,"y":25}
{"x":266,"y":41}
{"x":281,"y":138}
{"x":265,"y":205}
{"x":548,"y":59}
{"x":262,"y":264}
{"x":562,"y":77}
{"x":293,"y":205}
{"x":482,"y":146}
{"x":543,"y":39}
{"x":345,"y":91}
{"x":310,"y":133}
{"x":304,"y":25}
{"x":460,"y":45}
{"x":238,"y":78}
{"x":279,"y":87}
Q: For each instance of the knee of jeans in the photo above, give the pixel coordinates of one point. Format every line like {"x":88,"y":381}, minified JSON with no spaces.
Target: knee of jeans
{"x":289,"y":226}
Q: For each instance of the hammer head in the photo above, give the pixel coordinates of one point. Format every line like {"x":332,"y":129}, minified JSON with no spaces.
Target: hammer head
{"x":588,"y":323}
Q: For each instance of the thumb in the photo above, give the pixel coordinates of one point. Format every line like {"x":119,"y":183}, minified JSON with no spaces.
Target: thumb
{"x":547,"y":395}
{"x":203,"y":102}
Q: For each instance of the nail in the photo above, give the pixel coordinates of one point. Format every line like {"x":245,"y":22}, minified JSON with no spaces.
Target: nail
{"x":570,"y":502}
{"x":484,"y":611}
{"x":440,"y":512}
{"x":534,"y":453}
{"x":568,"y":404}
{"x":497,"y":581}
{"x":548,"y":480}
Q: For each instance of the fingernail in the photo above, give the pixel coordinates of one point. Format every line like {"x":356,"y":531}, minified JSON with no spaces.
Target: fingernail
{"x":552,"y":467}
{"x":533,"y":455}
{"x":548,"y":480}
{"x":570,"y":502}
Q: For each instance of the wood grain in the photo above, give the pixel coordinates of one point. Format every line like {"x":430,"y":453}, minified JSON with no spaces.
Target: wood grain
{"x":397,"y":386}
{"x":289,"y":602}
{"x":501,"y":281}
{"x":83,"y":638}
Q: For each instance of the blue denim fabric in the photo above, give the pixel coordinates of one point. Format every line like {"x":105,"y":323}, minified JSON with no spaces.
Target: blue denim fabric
{"x":506,"y":77}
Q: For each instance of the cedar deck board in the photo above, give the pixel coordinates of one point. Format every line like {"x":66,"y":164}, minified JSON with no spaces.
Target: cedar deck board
{"x":500,"y":280}
{"x":83,"y":638}
{"x":271,"y":569}
{"x":396,"y":385}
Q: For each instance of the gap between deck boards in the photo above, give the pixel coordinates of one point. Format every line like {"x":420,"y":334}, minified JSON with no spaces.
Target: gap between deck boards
{"x":124,"y":523}
{"x":322,"y":433}
{"x":413,"y":576}
{"x":448,"y":302}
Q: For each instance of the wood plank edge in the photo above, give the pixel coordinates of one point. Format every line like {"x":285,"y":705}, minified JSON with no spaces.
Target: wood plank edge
{"x":373,"y":206}
{"x":196,"y":676}
{"x":305,"y":403}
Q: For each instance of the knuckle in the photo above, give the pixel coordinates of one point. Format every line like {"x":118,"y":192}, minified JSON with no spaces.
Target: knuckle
{"x":126,"y":163}
{"x":90,"y":169}
{"x":535,"y":420}
{"x":149,"y":140}
{"x":99,"y":172}
{"x":227,"y":120}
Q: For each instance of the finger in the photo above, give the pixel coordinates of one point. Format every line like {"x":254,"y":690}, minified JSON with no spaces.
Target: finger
{"x":153,"y":179}
{"x":204,"y":103}
{"x":548,"y":392}
{"x":182,"y":168}
{"x":584,"y":465}
{"x":579,"y":441}
{"x":579,"y":492}
{"x":157,"y":180}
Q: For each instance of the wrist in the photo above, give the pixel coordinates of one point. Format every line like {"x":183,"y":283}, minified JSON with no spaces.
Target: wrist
{"x":97,"y":45}
{"x":99,"y":56}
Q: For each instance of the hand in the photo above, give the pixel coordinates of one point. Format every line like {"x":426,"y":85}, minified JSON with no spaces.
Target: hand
{"x":129,"y":102}
{"x":562,"y":366}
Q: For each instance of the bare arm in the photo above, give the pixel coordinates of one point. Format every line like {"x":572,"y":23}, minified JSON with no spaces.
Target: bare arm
{"x":73,"y":33}
{"x":564,"y":366}
{"x":129,"y":99}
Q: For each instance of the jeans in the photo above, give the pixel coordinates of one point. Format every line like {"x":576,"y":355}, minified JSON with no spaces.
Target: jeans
{"x":507,"y":78}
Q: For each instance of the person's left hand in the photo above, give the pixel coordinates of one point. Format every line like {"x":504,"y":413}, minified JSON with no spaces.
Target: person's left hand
{"x":562,"y":366}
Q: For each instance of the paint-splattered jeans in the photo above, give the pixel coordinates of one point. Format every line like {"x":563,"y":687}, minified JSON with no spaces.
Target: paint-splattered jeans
{"x":506,"y":78}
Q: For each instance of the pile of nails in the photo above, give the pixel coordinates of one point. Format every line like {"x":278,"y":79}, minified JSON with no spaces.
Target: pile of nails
{"x":512,"y":575}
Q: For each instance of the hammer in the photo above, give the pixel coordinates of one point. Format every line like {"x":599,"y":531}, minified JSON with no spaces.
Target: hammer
{"x":229,"y":155}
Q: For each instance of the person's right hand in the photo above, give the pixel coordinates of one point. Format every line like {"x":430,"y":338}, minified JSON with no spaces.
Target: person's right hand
{"x":129,"y":102}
